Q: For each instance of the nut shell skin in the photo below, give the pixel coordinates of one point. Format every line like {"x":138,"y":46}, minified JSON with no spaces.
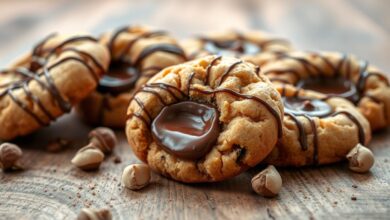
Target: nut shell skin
{"x":9,"y":156}
{"x":136,"y":176}
{"x":94,"y":214}
{"x":103,"y":138}
{"x":88,"y":158}
{"x":361,"y":159}
{"x":268,"y":182}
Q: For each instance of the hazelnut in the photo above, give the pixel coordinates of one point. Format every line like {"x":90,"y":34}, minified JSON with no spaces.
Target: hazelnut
{"x":360,"y":159}
{"x":88,"y":158}
{"x":268,"y":182}
{"x":10,"y":155}
{"x":103,"y":138}
{"x":136,"y":176}
{"x":94,"y":214}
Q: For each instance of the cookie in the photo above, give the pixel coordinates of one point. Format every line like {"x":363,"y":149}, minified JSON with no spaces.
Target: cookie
{"x":137,"y":53}
{"x":317,"y":129}
{"x":252,"y":46}
{"x":205,"y":120}
{"x":337,"y":74}
{"x":45,"y":83}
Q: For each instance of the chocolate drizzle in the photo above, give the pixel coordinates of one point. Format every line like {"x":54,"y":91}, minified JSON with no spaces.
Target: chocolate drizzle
{"x":38,"y":67}
{"x":364,"y":74}
{"x":354,"y":91}
{"x":179,"y":95}
{"x":117,"y":83}
{"x":296,"y":106}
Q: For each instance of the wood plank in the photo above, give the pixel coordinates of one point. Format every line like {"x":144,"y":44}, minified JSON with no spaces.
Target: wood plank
{"x":51,"y":188}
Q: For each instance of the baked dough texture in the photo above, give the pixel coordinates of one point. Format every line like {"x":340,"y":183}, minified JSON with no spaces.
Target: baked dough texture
{"x":250,"y":114}
{"x":45,"y":83}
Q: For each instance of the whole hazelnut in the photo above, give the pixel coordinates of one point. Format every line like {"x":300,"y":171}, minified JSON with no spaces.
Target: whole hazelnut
{"x":10,"y":155}
{"x":268,"y":182}
{"x":103,"y":138}
{"x":94,"y":214}
{"x":136,"y":176}
{"x":360,"y":159}
{"x":88,"y":158}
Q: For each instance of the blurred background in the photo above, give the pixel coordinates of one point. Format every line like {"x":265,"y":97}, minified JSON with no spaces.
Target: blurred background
{"x":353,"y":26}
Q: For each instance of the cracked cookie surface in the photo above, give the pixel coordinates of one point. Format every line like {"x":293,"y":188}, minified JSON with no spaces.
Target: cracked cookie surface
{"x":317,"y":129}
{"x":248,"y":109}
{"x":337,"y":74}
{"x":257,"y":47}
{"x":60,"y":71}
{"x":137,"y":53}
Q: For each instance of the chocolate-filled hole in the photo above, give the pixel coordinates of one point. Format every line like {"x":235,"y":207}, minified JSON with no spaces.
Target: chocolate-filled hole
{"x":310,"y":107}
{"x":232,"y":48}
{"x":120,"y":77}
{"x":331,"y":86}
{"x":186,"y":129}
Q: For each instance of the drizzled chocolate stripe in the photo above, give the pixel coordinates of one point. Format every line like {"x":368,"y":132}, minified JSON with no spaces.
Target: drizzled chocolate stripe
{"x":28,"y":75}
{"x":301,"y":130}
{"x":362,"y":138}
{"x":228,"y":70}
{"x":315,"y":138}
{"x":168,"y":48}
{"x":168,"y":87}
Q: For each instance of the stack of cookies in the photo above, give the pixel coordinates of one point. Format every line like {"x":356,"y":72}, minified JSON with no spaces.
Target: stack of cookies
{"x":205,"y":109}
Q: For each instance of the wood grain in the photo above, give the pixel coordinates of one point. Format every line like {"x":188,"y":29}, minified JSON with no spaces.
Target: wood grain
{"x":51,"y":188}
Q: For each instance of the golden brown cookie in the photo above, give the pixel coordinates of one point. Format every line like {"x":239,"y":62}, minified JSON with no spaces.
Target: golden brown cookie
{"x":205,"y":120}
{"x":137,"y":53}
{"x":337,"y":74}
{"x":45,"y":83}
{"x":256,"y":47}
{"x":317,"y":129}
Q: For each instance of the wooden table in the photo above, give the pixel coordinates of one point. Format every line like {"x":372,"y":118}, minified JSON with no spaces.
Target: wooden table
{"x":51,"y":188}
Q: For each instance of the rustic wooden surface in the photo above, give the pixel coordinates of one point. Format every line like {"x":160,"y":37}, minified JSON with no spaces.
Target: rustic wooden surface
{"x":53,"y":189}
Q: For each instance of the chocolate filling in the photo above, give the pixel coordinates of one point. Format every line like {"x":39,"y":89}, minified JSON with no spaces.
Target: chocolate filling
{"x":119,"y":78}
{"x":186,"y":129}
{"x":331,"y":86}
{"x":311,"y":107}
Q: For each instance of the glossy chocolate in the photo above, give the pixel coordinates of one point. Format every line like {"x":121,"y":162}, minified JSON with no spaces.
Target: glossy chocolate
{"x":331,"y":86}
{"x":186,"y":129}
{"x":119,"y":78}
{"x":312,"y":107}
{"x":122,"y":76}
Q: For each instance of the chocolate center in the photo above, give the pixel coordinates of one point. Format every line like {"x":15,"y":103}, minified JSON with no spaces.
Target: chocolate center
{"x":310,"y":107}
{"x":231,"y":48}
{"x":332,"y":86}
{"x":120,"y":77}
{"x":186,"y":129}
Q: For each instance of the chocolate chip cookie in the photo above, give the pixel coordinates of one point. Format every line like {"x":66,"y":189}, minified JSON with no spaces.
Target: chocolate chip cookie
{"x":60,"y":71}
{"x":256,"y":47}
{"x":137,"y":53}
{"x":337,"y":74}
{"x":205,"y":120}
{"x":317,"y":129}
